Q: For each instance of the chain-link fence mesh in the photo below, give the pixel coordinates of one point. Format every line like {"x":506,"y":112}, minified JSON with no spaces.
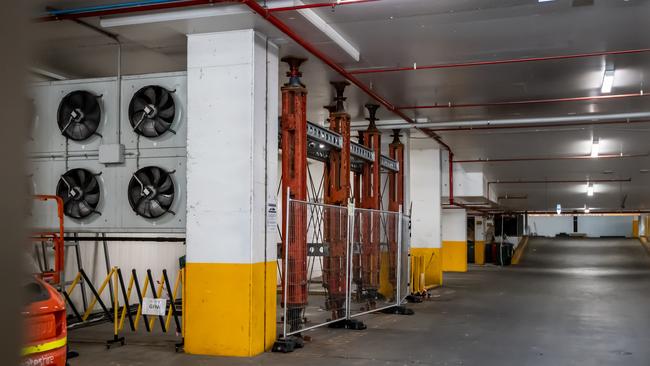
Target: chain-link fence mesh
{"x":404,"y":269}
{"x":315,"y":293}
{"x":341,"y":265}
{"x":374,"y":259}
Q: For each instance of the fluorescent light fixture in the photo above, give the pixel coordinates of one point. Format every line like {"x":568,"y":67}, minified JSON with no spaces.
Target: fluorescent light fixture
{"x":608,"y":82}
{"x":330,"y":32}
{"x":590,"y":189}
{"x":544,"y":1}
{"x":595,"y":147}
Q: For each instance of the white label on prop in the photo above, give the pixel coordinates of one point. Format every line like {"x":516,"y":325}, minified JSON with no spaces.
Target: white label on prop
{"x":272,"y":216}
{"x":152,"y":306}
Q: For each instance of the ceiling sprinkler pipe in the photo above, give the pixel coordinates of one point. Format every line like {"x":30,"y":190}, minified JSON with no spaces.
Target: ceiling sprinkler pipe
{"x":523,"y":121}
{"x":537,"y":126}
{"x":549,"y":158}
{"x":451,"y":105}
{"x":498,"y":62}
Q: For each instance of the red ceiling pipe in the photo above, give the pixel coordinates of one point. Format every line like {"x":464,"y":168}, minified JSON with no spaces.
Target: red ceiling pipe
{"x":536,"y":126}
{"x":525,"y":102}
{"x":268,"y":15}
{"x":133,"y":9}
{"x":581,"y":157}
{"x":332,"y":5}
{"x":499,"y":62}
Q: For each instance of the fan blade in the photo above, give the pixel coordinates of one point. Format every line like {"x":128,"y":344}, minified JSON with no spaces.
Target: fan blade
{"x":71,"y":179}
{"x":155,"y":209}
{"x":148,"y":128}
{"x":161,"y":126}
{"x":144,"y":177}
{"x":165,"y":200}
{"x":92,"y":184}
{"x":167,"y":184}
{"x":168,"y":112}
{"x":90,"y":103}
{"x":80,"y":131}
{"x":92,"y":199}
{"x":155,"y":172}
{"x":74,"y":210}
{"x":81,"y":174}
{"x":84,"y":209}
{"x":150,"y":93}
{"x":164,"y":97}
{"x":139,"y":104}
{"x":68,"y":209}
{"x":93,"y":116}
{"x":76,"y":100}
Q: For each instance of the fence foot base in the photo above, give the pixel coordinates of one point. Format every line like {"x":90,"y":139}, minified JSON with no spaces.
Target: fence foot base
{"x":115,"y":340}
{"x":287,"y":345}
{"x":351,"y":324}
{"x":180,"y":347}
{"x":399,"y":310}
{"x":414,"y":299}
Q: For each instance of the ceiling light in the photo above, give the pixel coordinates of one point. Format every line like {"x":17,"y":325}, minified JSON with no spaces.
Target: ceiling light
{"x":608,"y":82}
{"x":587,"y":210}
{"x":590,"y":189}
{"x":558,"y":209}
{"x":595,"y":147}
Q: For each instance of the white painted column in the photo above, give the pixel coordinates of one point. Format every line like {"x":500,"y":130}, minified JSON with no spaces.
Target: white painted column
{"x":425,"y":192}
{"x":454,"y":240}
{"x":231,"y":176}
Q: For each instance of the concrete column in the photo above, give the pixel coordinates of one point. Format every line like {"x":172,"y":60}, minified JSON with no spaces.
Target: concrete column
{"x":232,"y":147}
{"x":479,"y":240}
{"x":425,"y":192}
{"x":454,"y":240}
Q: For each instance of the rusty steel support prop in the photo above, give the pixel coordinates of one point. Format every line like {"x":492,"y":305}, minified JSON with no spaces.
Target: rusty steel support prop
{"x":294,"y":180}
{"x":370,"y":225}
{"x":395,"y":201}
{"x":337,"y":193}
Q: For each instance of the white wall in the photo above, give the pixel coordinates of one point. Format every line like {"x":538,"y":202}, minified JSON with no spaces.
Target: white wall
{"x":425,"y":192}
{"x":550,"y":225}
{"x":454,"y":225}
{"x":593,"y":226}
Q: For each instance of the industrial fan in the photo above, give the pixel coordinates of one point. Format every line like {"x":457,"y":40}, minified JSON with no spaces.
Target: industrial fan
{"x":79,"y":115}
{"x":79,"y":190}
{"x":152,"y":111}
{"x":151,"y":192}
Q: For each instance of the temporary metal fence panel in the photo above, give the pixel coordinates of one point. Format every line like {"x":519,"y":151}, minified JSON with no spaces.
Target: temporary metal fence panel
{"x":404,"y":269}
{"x":315,"y":276}
{"x":344,"y":262}
{"x":374,"y":261}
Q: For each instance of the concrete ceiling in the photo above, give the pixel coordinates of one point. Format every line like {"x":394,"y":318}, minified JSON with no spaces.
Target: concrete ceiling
{"x":399,"y":33}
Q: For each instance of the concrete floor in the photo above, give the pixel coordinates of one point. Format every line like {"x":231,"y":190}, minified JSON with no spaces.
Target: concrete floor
{"x":571,"y":302}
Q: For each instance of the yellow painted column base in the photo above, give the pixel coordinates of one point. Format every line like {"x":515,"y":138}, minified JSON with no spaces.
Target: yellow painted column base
{"x":230,"y":308}
{"x":454,"y":256}
{"x":479,"y":252}
{"x":432,"y":265}
{"x":385,"y":286}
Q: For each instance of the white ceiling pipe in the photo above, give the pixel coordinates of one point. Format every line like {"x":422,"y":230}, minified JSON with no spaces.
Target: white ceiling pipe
{"x":520,"y":121}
